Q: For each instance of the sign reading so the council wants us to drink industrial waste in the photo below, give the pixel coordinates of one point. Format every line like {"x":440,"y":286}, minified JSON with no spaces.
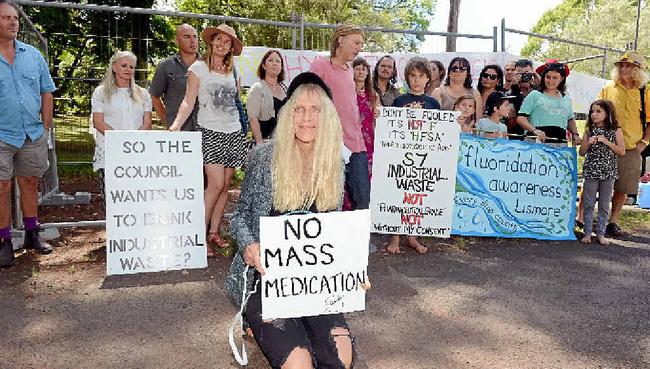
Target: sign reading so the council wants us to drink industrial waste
{"x":315,"y":264}
{"x":154,"y":202}
{"x":414,"y":171}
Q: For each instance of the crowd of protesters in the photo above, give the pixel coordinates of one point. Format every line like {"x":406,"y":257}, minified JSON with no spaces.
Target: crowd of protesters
{"x":315,"y":140}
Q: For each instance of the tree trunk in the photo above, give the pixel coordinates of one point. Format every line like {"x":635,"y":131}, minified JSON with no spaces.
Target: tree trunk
{"x":452,"y":24}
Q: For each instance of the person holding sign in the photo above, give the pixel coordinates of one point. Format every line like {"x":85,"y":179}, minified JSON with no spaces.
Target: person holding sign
{"x":418,"y":78}
{"x":214,"y":80}
{"x":497,"y":108}
{"x":118,"y":103}
{"x":299,"y":170}
{"x":548,"y":113}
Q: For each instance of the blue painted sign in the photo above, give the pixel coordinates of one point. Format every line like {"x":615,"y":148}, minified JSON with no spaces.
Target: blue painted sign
{"x":508,"y":188}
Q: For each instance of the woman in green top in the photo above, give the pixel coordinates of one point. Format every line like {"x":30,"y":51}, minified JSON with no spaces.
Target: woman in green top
{"x":547,"y":113}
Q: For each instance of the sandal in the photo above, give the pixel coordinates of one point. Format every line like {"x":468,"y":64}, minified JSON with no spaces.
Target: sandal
{"x":210,"y":252}
{"x":214,"y":238}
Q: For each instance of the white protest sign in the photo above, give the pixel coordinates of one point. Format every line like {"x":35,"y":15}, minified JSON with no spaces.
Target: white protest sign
{"x":154,"y":202}
{"x":315,"y":263}
{"x":414,"y":171}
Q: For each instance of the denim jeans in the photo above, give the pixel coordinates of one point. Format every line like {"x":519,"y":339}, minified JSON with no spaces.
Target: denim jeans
{"x":357,"y":182}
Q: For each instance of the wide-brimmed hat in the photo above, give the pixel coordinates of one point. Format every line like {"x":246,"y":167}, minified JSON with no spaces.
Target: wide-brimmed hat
{"x":209,"y":32}
{"x":303,"y":79}
{"x":631,"y":57}
{"x":554,"y":64}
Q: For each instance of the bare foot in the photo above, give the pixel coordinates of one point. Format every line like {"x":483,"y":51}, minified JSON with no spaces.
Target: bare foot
{"x":415,"y":244}
{"x":586,"y":239}
{"x":602,"y":240}
{"x":393,"y":245}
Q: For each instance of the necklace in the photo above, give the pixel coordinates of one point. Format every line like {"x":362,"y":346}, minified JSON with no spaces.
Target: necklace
{"x":221,"y":67}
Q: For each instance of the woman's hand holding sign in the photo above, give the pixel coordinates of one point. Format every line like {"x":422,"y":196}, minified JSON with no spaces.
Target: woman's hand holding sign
{"x":252,"y":257}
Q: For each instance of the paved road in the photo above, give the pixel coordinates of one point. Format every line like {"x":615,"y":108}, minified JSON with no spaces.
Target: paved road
{"x":468,"y":303}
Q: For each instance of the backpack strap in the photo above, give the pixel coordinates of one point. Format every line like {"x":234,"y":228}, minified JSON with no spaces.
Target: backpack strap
{"x":643,"y":111}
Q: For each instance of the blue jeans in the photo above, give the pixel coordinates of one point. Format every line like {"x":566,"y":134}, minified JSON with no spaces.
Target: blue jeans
{"x":357,"y":182}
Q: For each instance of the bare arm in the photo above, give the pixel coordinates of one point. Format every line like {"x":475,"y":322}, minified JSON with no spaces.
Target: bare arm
{"x":47,"y":109}
{"x":584,"y":145}
{"x":146,"y":121}
{"x":525,"y":124}
{"x":618,"y":147}
{"x":160,"y":108}
{"x":187,"y":105}
{"x":573,"y":129}
{"x":479,"y":103}
{"x":99,"y":124}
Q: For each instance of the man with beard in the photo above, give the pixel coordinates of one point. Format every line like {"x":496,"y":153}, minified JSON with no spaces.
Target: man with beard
{"x":384,"y":79}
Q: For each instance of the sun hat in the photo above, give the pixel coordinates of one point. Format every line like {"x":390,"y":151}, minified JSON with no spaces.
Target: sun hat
{"x":555,"y":65}
{"x":631,"y":57}
{"x":210,"y":31}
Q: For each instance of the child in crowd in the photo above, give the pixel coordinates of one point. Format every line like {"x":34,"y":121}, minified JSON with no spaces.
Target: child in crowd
{"x":466,"y":105}
{"x":602,"y":141}
{"x":418,"y":78}
{"x":497,"y":107}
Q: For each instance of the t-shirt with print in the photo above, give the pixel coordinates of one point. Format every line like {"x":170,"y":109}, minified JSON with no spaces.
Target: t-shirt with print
{"x":548,"y":113}
{"x":217,"y":92}
{"x":486,"y":125}
{"x":416,"y":101}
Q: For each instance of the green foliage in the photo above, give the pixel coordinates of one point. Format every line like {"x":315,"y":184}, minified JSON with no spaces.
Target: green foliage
{"x":608,"y":23}
{"x":81,"y":42}
{"x":395,"y":14}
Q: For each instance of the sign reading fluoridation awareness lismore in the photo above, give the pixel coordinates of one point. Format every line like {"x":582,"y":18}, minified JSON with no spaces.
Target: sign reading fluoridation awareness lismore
{"x":154,"y":202}
{"x":315,"y":263}
{"x":414,"y":171}
{"x":508,"y":188}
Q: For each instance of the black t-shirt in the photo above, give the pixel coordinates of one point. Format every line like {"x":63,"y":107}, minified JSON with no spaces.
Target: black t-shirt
{"x":416,"y":101}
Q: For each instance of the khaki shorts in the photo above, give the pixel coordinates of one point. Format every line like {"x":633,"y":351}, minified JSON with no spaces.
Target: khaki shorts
{"x":27,"y":161}
{"x":629,"y":172}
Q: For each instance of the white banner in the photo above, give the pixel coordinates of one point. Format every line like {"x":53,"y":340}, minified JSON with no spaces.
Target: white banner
{"x":315,"y":263}
{"x":154,"y":202}
{"x":414,"y":171}
{"x":582,"y":88}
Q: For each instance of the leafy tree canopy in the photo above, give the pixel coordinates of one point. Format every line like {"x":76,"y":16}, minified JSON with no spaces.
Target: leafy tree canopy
{"x":395,"y":14}
{"x":608,"y":23}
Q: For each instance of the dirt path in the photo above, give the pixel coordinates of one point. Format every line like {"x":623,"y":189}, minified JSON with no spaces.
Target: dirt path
{"x":468,"y":303}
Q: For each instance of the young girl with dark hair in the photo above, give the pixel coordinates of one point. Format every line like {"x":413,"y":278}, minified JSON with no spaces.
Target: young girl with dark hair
{"x":602,"y":141}
{"x":466,"y":105}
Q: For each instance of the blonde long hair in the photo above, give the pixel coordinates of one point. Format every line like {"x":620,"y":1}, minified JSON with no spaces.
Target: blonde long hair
{"x":639,"y":77}
{"x":323,"y":184}
{"x":109,"y":84}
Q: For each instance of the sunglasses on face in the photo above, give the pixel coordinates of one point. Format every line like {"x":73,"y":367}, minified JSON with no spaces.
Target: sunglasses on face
{"x":458,"y":69}
{"x":490,"y":76}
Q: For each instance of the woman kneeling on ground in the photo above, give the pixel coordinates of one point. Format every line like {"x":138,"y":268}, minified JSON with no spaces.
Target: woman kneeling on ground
{"x":301,"y":169}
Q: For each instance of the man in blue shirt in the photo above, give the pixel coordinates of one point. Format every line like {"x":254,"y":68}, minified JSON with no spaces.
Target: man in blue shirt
{"x":26,"y":106}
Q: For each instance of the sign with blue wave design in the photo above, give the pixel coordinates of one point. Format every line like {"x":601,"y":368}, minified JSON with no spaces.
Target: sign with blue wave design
{"x":514,"y":189}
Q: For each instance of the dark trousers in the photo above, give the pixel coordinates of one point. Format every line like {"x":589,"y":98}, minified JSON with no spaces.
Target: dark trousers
{"x":279,"y":337}
{"x":357,"y":182}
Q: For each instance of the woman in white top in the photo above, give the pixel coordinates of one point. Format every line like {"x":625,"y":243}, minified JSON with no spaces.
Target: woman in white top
{"x":118,"y":103}
{"x":213,"y":80}
{"x":266,"y":96}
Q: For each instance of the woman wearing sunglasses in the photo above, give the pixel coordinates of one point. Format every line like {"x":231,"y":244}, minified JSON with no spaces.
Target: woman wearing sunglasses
{"x":547,"y":113}
{"x":490,"y":80}
{"x":458,"y":83}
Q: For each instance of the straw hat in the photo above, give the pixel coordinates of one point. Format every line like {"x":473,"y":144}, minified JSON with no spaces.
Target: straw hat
{"x":209,"y":32}
{"x":631,"y":57}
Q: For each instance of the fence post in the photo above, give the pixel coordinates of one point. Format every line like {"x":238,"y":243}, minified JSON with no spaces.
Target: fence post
{"x":503,"y":34}
{"x":495,"y":34}
{"x":302,"y":31}
{"x":293,"y":31}
{"x":604,"y":67}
